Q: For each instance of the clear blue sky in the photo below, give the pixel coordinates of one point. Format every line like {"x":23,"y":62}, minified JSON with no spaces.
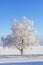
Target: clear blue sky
{"x":9,"y":9}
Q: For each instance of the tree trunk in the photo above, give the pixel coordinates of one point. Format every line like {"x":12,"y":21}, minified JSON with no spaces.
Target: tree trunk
{"x":22,"y":51}
{"x":22,"y":48}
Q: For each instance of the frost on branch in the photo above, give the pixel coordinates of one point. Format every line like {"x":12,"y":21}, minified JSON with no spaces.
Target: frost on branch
{"x":22,"y":36}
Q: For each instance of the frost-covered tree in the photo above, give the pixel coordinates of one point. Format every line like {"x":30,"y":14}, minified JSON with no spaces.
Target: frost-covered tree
{"x":23,"y":35}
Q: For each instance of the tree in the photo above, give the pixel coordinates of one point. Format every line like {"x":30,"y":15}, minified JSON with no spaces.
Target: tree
{"x":23,"y":35}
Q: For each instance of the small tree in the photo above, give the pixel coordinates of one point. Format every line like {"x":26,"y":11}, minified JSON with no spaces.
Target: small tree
{"x":23,"y":35}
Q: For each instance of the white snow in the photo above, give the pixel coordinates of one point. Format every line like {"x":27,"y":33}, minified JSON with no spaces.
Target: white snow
{"x":11,"y":51}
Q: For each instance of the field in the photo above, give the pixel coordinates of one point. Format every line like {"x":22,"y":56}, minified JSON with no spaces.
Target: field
{"x":19,"y":58}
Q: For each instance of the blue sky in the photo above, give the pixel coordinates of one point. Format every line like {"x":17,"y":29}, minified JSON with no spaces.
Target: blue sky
{"x":9,"y":9}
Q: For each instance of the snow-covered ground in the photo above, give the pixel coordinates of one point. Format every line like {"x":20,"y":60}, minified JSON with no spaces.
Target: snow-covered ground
{"x":9,"y":55}
{"x":11,"y":60}
{"x":11,"y":51}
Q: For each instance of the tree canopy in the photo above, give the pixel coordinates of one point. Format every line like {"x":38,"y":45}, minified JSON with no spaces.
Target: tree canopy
{"x":22,"y":36}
